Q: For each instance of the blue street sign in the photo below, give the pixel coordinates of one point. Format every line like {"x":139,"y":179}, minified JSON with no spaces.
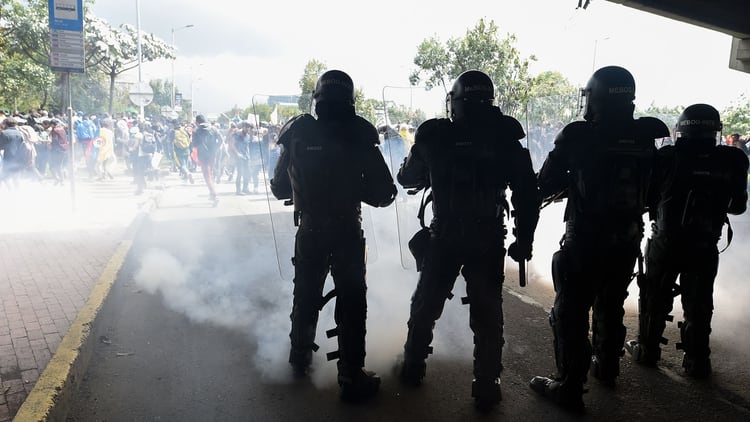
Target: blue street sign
{"x":67,"y":52}
{"x":66,"y":15}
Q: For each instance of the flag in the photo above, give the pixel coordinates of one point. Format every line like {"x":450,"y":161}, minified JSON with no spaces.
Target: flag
{"x":275,"y":115}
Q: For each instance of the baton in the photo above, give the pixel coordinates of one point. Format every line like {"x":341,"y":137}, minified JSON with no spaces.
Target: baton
{"x":522,"y":273}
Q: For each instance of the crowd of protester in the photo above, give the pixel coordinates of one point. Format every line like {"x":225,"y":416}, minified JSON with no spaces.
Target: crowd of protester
{"x":36,"y":148}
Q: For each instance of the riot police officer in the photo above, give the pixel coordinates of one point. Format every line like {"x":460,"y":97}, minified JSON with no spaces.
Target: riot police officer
{"x":328,"y":167}
{"x":603,"y":165}
{"x":469,"y":160}
{"x":698,"y":183}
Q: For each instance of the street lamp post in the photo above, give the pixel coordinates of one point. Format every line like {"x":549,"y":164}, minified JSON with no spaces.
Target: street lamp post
{"x":596,"y":44}
{"x":192,"y":96}
{"x":140,"y":54}
{"x":174,"y":48}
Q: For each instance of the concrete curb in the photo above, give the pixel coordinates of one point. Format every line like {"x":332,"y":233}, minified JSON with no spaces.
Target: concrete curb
{"x":49,"y":400}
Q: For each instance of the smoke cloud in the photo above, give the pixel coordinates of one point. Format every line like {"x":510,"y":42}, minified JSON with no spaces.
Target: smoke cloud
{"x":247,"y":291}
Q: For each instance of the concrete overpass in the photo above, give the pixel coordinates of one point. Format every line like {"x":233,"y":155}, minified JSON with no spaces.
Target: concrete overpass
{"x":728,"y":16}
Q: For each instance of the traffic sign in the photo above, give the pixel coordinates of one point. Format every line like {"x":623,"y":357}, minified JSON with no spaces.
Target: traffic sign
{"x":141,"y":94}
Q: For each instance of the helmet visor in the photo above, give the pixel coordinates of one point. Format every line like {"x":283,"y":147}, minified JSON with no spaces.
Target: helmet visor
{"x":583,"y":101}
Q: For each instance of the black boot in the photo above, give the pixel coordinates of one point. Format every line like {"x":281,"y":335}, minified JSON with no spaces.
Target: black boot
{"x":411,"y":372}
{"x":605,"y":370}
{"x":357,"y":384}
{"x":300,"y":361}
{"x":642,"y":354}
{"x":696,"y":367}
{"x":486,"y":393}
{"x":568,"y":395}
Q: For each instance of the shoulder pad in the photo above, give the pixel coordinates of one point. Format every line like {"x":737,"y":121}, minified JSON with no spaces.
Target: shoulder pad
{"x":366,"y":131}
{"x":429,"y":129}
{"x":296,"y":122}
{"x":651,"y":127}
{"x":666,"y":151}
{"x":512,"y":128}
{"x":572,"y":130}
{"x":735,"y":156}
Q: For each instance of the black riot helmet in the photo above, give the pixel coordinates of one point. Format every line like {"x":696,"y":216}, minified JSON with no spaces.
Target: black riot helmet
{"x":472,"y":92}
{"x":608,"y":95}
{"x":699,"y":122}
{"x":335,"y":86}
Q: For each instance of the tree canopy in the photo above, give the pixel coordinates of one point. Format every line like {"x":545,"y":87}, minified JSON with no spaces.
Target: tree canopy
{"x":313,"y":70}
{"x":481,"y":48}
{"x":25,"y":58}
{"x":736,"y":117}
{"x":26,"y":81}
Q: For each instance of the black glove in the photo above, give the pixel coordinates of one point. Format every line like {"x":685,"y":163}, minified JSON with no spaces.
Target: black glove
{"x":519,"y":251}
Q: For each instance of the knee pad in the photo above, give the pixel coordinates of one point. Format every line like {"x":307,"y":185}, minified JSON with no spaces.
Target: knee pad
{"x":559,"y":268}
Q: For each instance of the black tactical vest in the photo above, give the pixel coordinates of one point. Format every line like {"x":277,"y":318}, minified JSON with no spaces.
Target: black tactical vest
{"x":695,"y":190}
{"x":325,"y":166}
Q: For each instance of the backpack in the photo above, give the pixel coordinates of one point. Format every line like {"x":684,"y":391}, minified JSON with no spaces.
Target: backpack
{"x":85,"y":130}
{"x":27,"y":154}
{"x":181,"y":138}
{"x":148,"y":143}
{"x":207,"y":140}
{"x":29,"y":134}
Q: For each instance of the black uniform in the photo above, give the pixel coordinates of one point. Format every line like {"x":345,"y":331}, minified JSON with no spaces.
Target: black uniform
{"x":604,"y":166}
{"x":698,"y":184}
{"x":606,"y":174}
{"x":469,"y":165}
{"x":328,"y":167}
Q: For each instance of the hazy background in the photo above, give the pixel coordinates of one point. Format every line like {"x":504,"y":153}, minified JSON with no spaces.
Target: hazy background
{"x":236,"y":50}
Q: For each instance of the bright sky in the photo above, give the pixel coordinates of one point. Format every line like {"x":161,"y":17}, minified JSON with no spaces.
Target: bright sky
{"x":238,"y":50}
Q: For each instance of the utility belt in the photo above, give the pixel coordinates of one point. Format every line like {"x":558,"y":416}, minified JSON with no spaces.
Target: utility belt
{"x":685,"y":239}
{"x":468,"y":227}
{"x":326,"y":220}
{"x":613,"y":235}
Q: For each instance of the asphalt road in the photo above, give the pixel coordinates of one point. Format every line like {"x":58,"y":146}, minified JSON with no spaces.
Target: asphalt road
{"x":195,"y":329}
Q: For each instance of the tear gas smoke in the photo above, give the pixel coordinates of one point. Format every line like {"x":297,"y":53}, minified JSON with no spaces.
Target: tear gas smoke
{"x":248,"y":294}
{"x":240,"y":289}
{"x":731,"y":290}
{"x":32,"y":207}
{"x":244,"y":291}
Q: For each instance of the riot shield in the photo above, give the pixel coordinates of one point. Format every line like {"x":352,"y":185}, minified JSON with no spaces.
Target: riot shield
{"x":543,"y":118}
{"x":404,"y":109}
{"x":269,"y":113}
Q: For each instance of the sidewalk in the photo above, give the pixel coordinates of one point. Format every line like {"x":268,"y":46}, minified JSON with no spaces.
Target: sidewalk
{"x":52,"y":254}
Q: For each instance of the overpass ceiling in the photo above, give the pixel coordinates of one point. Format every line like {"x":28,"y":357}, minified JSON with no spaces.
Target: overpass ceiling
{"x":728,"y":16}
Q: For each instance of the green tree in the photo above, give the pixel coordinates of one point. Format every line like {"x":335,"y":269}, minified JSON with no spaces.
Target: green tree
{"x":287,"y":112}
{"x":24,"y":53}
{"x":553,"y":100}
{"x":25,"y":45}
{"x":23,"y":84}
{"x":114,"y":51}
{"x":162,"y":97}
{"x":400,"y":113}
{"x":313,"y":70}
{"x":667,"y":114}
{"x":262,"y":110}
{"x":366,"y":107}
{"x":482,"y":49}
{"x":736,"y":117}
